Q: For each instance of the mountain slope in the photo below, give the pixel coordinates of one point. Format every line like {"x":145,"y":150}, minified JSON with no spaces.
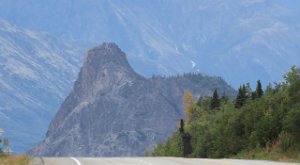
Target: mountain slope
{"x":35,"y":75}
{"x":240,"y":40}
{"x":113,"y":111}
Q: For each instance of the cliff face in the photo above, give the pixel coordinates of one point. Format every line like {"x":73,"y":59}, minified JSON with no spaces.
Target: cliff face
{"x":112,"y":111}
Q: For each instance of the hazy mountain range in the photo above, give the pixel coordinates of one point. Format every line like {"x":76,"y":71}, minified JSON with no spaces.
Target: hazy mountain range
{"x":240,"y":40}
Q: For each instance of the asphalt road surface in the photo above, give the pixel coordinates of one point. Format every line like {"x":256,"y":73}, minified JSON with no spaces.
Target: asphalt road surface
{"x":154,"y":161}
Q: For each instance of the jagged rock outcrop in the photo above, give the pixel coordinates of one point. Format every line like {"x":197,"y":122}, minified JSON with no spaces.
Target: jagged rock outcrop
{"x":113,"y":111}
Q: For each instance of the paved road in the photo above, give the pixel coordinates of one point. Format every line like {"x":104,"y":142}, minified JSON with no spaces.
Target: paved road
{"x":154,"y":161}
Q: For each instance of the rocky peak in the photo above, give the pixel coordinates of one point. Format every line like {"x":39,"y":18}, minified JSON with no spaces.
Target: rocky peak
{"x":105,"y":60}
{"x":107,"y":53}
{"x":112,"y":111}
{"x":105,"y":71}
{"x":105,"y":66}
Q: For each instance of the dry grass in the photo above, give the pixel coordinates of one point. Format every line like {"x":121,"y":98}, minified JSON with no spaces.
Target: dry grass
{"x":272,"y":153}
{"x":15,"y":160}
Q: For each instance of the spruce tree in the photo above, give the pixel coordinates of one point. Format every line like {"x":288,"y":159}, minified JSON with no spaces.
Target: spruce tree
{"x":244,"y":93}
{"x":215,"y":102}
{"x":181,"y":127}
{"x":253,"y":95}
{"x":259,"y":91}
{"x":248,"y":90}
{"x":239,"y":98}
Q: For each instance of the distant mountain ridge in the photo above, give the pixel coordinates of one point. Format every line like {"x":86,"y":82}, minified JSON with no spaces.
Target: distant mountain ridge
{"x":240,"y":40}
{"x":36,"y":73}
{"x":113,"y":111}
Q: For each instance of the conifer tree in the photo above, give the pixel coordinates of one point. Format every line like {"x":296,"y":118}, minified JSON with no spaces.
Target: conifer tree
{"x":215,"y":102}
{"x":181,"y":127}
{"x":248,"y":90}
{"x":244,"y":93}
{"x":259,"y":91}
{"x":239,"y":98}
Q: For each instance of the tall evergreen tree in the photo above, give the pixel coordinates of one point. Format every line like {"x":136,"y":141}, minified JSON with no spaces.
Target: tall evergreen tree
{"x":248,"y":90}
{"x":241,"y":97}
{"x":215,"y":102}
{"x":181,"y":127}
{"x":244,"y":93}
{"x":187,"y":147}
{"x":238,"y":98}
{"x":259,"y":91}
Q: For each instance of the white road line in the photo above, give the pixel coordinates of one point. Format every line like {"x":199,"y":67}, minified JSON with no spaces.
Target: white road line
{"x":77,"y":161}
{"x":143,"y":162}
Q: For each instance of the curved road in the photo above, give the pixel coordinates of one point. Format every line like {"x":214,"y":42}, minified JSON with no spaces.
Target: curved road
{"x":155,"y":161}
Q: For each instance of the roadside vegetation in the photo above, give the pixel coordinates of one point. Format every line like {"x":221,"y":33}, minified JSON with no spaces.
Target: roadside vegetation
{"x":256,"y":125}
{"x":6,"y":158}
{"x":14,"y":160}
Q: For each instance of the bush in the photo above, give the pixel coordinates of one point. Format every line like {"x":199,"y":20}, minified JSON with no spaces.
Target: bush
{"x":286,"y":141}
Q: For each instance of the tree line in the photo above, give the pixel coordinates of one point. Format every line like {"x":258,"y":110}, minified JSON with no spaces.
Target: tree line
{"x":223,"y":127}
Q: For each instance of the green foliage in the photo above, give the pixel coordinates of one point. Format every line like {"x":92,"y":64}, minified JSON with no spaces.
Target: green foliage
{"x":159,"y":150}
{"x":181,"y":127}
{"x":292,"y":121}
{"x":147,"y":153}
{"x":241,"y":97}
{"x":255,"y":121}
{"x":215,"y":101}
{"x":293,"y":81}
{"x":259,"y":92}
{"x":286,"y":141}
{"x":173,"y":147}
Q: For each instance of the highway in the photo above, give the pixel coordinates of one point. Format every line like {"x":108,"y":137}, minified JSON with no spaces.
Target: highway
{"x":155,"y":161}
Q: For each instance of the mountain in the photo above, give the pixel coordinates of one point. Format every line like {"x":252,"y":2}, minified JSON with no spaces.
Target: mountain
{"x":113,"y":111}
{"x":240,"y":40}
{"x":36,"y":74}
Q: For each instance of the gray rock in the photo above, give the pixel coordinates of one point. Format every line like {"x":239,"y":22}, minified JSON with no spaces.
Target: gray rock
{"x":113,"y":111}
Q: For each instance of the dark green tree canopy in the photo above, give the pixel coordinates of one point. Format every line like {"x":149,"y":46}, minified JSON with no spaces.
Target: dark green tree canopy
{"x":215,"y":101}
{"x":181,"y":127}
{"x":259,"y":91}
